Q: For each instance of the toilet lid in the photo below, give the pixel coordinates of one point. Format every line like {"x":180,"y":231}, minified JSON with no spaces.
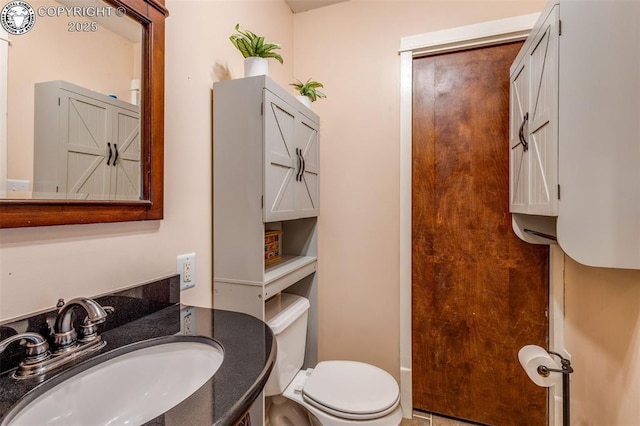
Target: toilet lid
{"x":351,"y":390}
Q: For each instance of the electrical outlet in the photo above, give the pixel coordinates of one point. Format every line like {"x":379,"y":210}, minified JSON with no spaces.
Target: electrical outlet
{"x":16,"y":185}
{"x":186,"y":267}
{"x":188,"y":321}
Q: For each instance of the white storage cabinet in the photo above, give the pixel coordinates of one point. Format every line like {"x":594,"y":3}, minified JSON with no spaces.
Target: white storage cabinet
{"x":86,"y":144}
{"x":265,"y":177}
{"x":577,"y":80}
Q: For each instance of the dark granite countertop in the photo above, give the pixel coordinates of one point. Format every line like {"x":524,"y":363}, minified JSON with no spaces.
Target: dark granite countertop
{"x":249,"y":353}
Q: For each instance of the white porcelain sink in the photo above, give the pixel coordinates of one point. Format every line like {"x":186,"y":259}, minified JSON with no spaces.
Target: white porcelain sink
{"x":130,"y":389}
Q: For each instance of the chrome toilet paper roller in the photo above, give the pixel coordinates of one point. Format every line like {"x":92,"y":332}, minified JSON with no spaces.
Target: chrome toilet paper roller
{"x":538,"y":364}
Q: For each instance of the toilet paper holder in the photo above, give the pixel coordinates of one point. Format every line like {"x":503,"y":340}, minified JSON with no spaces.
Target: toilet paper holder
{"x":565,"y":370}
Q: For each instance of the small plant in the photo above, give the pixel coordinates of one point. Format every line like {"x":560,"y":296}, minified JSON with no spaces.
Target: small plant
{"x":309,"y":89}
{"x":252,"y":45}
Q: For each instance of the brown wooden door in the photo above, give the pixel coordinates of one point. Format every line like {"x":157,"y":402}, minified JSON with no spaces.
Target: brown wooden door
{"x":479,"y":293}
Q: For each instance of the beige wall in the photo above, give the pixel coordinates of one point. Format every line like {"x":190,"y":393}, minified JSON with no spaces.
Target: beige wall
{"x":39,"y":265}
{"x":352,"y":48}
{"x":602,"y":334}
{"x":50,"y":52}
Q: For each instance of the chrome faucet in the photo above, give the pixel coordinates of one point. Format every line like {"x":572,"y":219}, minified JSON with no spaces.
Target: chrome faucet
{"x":66,"y":345}
{"x":64,"y":335}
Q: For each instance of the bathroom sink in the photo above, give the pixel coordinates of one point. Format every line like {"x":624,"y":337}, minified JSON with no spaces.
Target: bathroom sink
{"x":130,"y":389}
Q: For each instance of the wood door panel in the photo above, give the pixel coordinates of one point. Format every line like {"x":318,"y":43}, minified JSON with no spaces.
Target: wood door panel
{"x":479,"y":293}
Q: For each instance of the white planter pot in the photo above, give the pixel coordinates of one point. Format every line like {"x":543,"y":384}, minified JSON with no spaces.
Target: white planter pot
{"x":306,"y":101}
{"x":254,"y":66}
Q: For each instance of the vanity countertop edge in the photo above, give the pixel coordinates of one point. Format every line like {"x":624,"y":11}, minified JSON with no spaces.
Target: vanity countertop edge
{"x":249,"y":355}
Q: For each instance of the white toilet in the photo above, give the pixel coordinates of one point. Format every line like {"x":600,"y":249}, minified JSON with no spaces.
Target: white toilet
{"x":334,"y":393}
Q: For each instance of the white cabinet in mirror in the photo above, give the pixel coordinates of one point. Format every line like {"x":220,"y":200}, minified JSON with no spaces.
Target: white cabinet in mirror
{"x":86,"y":144}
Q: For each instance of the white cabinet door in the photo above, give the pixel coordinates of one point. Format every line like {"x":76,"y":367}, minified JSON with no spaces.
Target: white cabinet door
{"x":85,"y":132}
{"x":519,"y":155}
{"x":543,"y":116}
{"x":125,"y":172}
{"x":291,"y":162}
{"x":281,"y":159}
{"x":307,"y":189}
{"x":534,"y":125}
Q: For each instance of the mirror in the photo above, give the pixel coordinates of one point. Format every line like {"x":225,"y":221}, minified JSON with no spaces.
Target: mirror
{"x":73,"y":128}
{"x":84,"y":135}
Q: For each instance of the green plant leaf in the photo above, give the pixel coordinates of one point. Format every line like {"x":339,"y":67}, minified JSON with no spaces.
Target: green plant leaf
{"x":245,"y":48}
{"x":250,"y":44}
{"x":309,"y":89}
{"x":257,"y":44}
{"x":272,"y":55}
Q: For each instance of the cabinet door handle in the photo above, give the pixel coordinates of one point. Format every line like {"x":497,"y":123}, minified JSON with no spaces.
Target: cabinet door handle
{"x":523,"y":141}
{"x":298,"y":173}
{"x":304,"y":166}
{"x":115,"y":147}
{"x":110,"y":153}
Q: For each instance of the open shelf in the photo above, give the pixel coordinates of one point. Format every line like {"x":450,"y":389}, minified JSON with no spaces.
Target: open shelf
{"x":290,"y":270}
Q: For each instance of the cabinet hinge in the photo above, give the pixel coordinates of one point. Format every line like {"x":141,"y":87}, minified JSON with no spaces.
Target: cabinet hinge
{"x":559,"y":27}
{"x":558,"y":191}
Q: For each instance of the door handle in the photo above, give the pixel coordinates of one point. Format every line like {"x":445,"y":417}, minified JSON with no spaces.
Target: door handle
{"x":110,"y":153}
{"x":523,"y":141}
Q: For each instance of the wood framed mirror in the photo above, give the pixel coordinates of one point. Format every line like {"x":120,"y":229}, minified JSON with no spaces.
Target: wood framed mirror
{"x":29,"y":211}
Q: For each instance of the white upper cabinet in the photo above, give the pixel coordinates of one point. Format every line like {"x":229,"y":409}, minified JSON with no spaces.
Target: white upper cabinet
{"x":291,"y":161}
{"x":534,"y":120}
{"x":577,"y":82}
{"x":86,"y":144}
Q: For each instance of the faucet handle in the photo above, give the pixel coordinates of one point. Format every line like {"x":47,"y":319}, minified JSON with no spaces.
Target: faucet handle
{"x":37,"y":348}
{"x":88,"y":330}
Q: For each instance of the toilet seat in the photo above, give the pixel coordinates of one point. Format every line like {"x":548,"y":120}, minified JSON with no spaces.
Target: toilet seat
{"x":351,"y":390}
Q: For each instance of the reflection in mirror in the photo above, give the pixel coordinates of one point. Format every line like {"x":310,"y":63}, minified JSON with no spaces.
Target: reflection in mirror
{"x":73,"y":105}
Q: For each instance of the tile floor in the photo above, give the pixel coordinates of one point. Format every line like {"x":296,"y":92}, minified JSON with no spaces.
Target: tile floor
{"x":428,"y":419}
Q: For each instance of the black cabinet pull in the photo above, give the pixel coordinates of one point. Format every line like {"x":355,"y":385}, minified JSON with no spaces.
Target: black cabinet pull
{"x":298,"y":154}
{"x":523,"y":141}
{"x":304,"y":166}
{"x":115,"y":147}
{"x":110,"y":153}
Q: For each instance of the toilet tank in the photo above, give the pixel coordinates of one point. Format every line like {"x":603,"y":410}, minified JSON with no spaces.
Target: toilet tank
{"x":286,"y":315}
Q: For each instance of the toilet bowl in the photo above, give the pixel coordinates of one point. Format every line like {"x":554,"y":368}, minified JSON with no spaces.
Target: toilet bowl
{"x":333,"y":393}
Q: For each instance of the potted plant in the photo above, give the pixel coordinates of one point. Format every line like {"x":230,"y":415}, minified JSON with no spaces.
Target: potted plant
{"x":308,"y":91}
{"x":255,"y":51}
